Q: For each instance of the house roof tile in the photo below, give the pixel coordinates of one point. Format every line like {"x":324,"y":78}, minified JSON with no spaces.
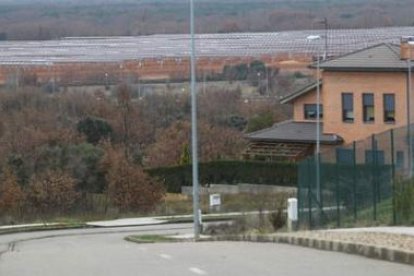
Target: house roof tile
{"x":382,"y":57}
{"x":298,"y":93}
{"x":291,"y":131}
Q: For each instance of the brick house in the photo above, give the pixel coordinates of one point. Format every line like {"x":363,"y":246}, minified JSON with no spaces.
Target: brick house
{"x":362,"y":93}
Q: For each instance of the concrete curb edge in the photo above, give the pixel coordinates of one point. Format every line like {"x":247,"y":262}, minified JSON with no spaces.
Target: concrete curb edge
{"x":369,"y":251}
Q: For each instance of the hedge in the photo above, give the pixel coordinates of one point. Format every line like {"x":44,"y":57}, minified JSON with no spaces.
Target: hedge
{"x":228,"y":172}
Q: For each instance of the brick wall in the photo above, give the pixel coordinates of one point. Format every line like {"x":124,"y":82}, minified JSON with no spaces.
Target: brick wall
{"x":334,"y":83}
{"x":299,"y":103}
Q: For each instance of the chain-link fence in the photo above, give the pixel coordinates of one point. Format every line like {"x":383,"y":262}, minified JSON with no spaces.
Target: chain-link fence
{"x":368,"y":182}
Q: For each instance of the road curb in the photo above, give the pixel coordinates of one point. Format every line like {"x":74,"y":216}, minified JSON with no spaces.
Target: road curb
{"x":41,"y":229}
{"x":369,"y":251}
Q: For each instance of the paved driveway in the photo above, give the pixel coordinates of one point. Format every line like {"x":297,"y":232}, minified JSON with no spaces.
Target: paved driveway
{"x":84,"y":253}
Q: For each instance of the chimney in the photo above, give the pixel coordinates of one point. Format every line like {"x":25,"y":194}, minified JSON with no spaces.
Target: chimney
{"x":407,"y":47}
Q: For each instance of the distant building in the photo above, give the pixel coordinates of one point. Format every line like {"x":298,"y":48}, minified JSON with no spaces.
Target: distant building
{"x":362,"y":93}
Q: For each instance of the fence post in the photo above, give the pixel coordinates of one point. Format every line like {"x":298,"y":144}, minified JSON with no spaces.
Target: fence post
{"x":309,"y":194}
{"x":338,"y":210}
{"x":320,"y":192}
{"x":299,"y":192}
{"x":354,"y":186}
{"x":374,"y":186}
{"x":394,"y":215}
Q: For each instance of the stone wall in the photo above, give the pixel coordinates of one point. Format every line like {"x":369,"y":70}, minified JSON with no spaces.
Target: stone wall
{"x":236,"y":189}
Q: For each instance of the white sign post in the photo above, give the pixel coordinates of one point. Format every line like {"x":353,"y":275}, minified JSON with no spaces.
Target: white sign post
{"x":215,"y":202}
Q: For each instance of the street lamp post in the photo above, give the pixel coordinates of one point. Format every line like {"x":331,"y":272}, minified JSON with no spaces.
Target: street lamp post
{"x":106,"y":81}
{"x":53,"y":79}
{"x":259,"y":82}
{"x":409,"y":89}
{"x":318,"y":111}
{"x":408,"y":95}
{"x":410,"y":41}
{"x":194,"y":143}
{"x":267,"y":82}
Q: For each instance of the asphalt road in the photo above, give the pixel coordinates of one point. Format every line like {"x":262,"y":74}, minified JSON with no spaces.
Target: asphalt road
{"x":104,"y":252}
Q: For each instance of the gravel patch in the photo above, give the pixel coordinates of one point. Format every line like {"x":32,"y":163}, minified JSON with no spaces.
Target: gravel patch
{"x":384,"y":240}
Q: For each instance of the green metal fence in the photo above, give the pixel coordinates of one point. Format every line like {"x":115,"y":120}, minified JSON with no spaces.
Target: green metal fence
{"x":368,"y":182}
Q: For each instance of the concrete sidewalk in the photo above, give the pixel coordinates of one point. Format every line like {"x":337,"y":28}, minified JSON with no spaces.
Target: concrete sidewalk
{"x":128,"y":222}
{"x":105,"y":223}
{"x":164,"y":219}
{"x":19,"y":226}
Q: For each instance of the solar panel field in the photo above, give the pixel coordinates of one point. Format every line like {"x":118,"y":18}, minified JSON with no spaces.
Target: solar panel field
{"x":101,"y":49}
{"x":166,"y":56}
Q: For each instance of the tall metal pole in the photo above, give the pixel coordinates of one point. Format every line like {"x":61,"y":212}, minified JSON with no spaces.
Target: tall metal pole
{"x":325,"y":54}
{"x":53,"y":79}
{"x":204,"y":81}
{"x":318,"y":121}
{"x":194,"y":143}
{"x":318,"y":129}
{"x":267,"y":82}
{"x":410,"y":87}
{"x":410,"y":170}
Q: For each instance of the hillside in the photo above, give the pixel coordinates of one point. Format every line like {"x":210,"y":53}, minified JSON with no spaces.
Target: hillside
{"x":46,"y":19}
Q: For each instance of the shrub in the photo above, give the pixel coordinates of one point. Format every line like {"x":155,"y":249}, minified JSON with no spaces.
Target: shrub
{"x":404,"y":201}
{"x":129,"y":187}
{"x":228,"y":172}
{"x":260,"y":121}
{"x":52,"y":191}
{"x":11,"y":196}
{"x":94,"y":129}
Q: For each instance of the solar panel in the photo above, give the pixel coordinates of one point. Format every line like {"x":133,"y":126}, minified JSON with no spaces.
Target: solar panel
{"x":118,"y":49}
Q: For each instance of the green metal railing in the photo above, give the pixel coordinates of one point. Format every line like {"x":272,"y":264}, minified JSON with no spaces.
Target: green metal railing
{"x":368,"y":182}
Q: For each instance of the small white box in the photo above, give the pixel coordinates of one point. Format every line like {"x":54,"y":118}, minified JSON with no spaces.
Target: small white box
{"x":292,"y":209}
{"x":215,"y":200}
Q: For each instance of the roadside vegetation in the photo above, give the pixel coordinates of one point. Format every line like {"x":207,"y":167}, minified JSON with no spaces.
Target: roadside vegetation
{"x":88,"y":155}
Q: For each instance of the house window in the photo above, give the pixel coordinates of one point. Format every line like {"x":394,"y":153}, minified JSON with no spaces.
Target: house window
{"x":368,"y":107}
{"x":374,"y":155}
{"x":389,"y":108}
{"x":310,"y":111}
{"x":344,"y":156}
{"x":347,"y":107}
